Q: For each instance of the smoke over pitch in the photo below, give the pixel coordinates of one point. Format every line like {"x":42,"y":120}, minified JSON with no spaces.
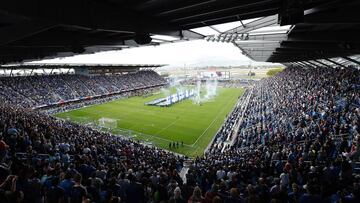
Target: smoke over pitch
{"x":204,"y":90}
{"x":210,"y":90}
{"x":173,"y":83}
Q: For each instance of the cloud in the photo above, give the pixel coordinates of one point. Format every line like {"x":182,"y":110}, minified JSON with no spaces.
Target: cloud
{"x":191,"y":53}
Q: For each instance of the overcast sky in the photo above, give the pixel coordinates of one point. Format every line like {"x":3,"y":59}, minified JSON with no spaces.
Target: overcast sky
{"x":189,"y":53}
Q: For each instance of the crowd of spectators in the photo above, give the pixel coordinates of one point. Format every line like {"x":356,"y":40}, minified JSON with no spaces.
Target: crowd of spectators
{"x":298,"y":141}
{"x":32,"y":91}
{"x":235,"y":83}
{"x":226,"y":83}
{"x":225,"y":135}
{"x":47,"y":160}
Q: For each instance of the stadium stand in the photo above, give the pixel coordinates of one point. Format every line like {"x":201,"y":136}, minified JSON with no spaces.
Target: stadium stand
{"x":39,"y":91}
{"x":298,"y":142}
{"x":45,"y":151}
{"x":293,"y":137}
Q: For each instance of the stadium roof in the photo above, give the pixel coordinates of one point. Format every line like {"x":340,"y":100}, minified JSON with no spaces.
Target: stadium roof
{"x":314,"y":29}
{"x":326,"y":31}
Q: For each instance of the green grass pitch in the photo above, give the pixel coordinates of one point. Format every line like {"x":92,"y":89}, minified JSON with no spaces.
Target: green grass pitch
{"x":187,"y":122}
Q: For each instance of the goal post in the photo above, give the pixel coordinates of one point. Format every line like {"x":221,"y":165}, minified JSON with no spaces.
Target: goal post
{"x":108,"y":123}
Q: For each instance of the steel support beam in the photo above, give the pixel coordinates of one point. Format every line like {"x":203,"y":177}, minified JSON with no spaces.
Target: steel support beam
{"x":298,"y":64}
{"x":313,"y":64}
{"x":336,"y":63}
{"x":303,"y":64}
{"x":16,"y":32}
{"x":92,"y":15}
{"x":352,"y":60}
{"x":323,"y":36}
{"x":324,"y":64}
{"x":308,"y":64}
{"x":256,"y":24}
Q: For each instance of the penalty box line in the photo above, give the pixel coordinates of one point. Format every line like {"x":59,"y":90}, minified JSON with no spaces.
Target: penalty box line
{"x":168,"y":126}
{"x":153,"y":136}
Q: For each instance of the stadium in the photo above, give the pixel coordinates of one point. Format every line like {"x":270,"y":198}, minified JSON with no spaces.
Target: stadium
{"x":148,"y":132}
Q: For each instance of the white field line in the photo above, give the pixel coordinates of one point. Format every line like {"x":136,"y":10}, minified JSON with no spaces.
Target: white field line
{"x":153,"y":136}
{"x":164,"y":139}
{"x":211,"y":124}
{"x":136,"y":132}
{"x":171,"y":124}
{"x":168,"y":140}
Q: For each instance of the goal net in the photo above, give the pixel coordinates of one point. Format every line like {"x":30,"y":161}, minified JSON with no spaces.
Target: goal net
{"x":108,"y":123}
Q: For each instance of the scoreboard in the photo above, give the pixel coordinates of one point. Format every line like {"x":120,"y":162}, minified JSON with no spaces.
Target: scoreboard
{"x":219,"y":75}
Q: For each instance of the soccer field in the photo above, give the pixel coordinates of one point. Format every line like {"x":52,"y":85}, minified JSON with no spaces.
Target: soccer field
{"x":187,"y":122}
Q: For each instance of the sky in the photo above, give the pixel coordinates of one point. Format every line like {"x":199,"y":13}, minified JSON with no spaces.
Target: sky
{"x":196,"y":53}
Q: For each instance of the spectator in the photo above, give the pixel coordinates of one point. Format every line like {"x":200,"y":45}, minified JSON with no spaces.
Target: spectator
{"x":55,"y":194}
{"x":78,"y":192}
{"x":177,"y":197}
{"x":196,"y":196}
{"x":297,"y":128}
